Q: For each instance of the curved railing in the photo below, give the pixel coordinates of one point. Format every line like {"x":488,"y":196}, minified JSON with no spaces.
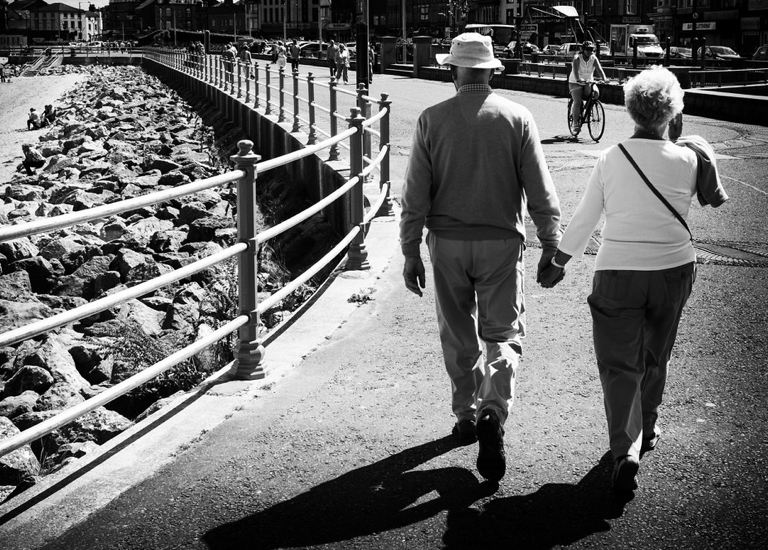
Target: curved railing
{"x":249,"y":355}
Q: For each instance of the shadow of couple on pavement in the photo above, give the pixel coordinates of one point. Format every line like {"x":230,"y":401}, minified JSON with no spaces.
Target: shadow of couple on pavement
{"x":389,"y":494}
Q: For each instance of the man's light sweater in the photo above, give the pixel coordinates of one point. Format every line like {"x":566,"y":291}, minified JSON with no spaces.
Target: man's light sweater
{"x":639,"y":233}
{"x":476,"y":159}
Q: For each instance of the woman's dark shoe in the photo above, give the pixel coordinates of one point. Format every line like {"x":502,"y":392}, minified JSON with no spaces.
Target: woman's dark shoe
{"x":624,"y":473}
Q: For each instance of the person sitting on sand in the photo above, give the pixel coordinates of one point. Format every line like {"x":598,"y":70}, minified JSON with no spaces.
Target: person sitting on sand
{"x":33,"y":122}
{"x":32,"y":158}
{"x":49,"y":116}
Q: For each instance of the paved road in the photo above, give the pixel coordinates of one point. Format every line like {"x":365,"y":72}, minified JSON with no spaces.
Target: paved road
{"x":350,"y":449}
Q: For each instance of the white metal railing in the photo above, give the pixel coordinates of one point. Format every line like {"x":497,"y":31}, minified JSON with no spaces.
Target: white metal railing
{"x":248,"y":362}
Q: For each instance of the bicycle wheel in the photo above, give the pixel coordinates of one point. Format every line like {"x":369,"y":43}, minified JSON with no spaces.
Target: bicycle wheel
{"x":596,"y":118}
{"x":570,"y":118}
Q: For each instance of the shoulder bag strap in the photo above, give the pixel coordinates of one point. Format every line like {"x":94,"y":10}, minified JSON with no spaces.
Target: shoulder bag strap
{"x":655,"y":191}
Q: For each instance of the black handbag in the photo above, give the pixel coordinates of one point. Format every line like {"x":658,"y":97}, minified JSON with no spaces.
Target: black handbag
{"x":655,"y":191}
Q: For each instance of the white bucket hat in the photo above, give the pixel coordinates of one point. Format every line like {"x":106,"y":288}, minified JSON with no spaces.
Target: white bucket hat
{"x":470,"y":50}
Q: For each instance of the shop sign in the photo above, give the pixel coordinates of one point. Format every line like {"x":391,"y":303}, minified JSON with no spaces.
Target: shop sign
{"x":708,"y":26}
{"x":630,"y":20}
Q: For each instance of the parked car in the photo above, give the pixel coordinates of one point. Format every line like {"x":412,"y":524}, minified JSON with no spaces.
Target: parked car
{"x":718,"y":52}
{"x":761,"y":54}
{"x":314,"y":49}
{"x":550,"y":49}
{"x":528,"y":49}
{"x":569,"y":50}
{"x":352,"y":47}
{"x":679,"y":53}
{"x":605,"y":50}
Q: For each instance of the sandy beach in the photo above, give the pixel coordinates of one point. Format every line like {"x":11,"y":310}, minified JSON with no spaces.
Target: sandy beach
{"x":16,"y":99}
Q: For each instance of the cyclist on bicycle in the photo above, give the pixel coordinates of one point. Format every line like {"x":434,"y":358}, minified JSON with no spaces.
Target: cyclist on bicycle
{"x":584,"y":66}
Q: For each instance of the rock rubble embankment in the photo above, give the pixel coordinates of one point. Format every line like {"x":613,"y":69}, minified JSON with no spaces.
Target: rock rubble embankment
{"x":120,"y":134}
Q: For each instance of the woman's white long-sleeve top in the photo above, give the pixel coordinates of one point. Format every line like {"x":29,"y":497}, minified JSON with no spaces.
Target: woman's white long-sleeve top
{"x":639,"y":233}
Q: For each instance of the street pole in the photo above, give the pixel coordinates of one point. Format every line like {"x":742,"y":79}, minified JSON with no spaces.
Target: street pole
{"x":405,"y":47}
{"x":285,"y":21}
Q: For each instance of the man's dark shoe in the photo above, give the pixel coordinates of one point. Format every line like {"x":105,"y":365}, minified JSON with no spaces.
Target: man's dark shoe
{"x":491,"y":458}
{"x":624,"y":473}
{"x":650,"y":443}
{"x":465,"y":431}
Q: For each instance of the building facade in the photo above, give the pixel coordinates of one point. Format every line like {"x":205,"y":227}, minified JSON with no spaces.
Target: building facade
{"x":40,"y":21}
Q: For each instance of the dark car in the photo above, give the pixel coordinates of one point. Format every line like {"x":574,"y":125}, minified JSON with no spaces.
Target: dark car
{"x":719,"y":52}
{"x":679,"y":53}
{"x":761,"y":54}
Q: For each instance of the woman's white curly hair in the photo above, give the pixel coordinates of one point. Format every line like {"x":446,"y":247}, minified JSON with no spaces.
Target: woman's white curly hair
{"x":653,"y":96}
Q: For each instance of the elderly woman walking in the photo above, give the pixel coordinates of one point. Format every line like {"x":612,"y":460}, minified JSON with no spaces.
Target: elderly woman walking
{"x":645,"y":267}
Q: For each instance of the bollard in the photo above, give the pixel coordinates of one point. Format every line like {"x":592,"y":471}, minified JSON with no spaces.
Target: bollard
{"x":250,"y":353}
{"x":386,"y":207}
{"x":312,"y":138}
{"x":357,"y":255}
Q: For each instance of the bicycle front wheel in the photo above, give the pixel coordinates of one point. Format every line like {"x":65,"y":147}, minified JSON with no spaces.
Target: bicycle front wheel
{"x":570,"y":117}
{"x":597,"y":121}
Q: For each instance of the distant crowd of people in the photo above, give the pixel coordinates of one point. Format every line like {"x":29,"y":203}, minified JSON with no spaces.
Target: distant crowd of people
{"x":7,"y":72}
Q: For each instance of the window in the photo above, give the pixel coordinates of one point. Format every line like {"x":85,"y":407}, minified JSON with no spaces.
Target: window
{"x":630,"y":7}
{"x":423,"y":13}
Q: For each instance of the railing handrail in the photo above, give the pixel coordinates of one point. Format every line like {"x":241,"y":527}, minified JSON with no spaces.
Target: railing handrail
{"x":245,"y":176}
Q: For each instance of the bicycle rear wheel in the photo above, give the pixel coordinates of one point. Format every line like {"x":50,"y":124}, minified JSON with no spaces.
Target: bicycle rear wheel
{"x":597,"y":121}
{"x":570,"y":118}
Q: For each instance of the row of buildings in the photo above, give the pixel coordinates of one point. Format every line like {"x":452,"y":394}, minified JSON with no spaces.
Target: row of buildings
{"x":740,"y":24}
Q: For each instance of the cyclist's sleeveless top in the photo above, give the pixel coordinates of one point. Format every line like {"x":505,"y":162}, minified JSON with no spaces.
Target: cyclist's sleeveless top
{"x":586,"y":70}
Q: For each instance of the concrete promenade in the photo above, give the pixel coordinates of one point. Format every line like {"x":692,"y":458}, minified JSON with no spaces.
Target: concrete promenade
{"x":346,"y":443}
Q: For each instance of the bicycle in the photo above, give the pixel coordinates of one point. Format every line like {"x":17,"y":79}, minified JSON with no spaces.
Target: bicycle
{"x":592,"y":114}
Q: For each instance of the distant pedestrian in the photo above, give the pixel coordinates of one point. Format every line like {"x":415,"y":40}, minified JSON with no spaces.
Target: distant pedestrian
{"x":641,"y":190}
{"x":476,"y":166}
{"x":295,"y":56}
{"x":281,"y":54}
{"x":342,"y":64}
{"x":332,"y":52}
{"x":371,"y":62}
{"x":247,"y":60}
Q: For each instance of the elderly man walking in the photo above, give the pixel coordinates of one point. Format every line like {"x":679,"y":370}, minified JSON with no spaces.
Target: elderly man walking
{"x":476,"y":164}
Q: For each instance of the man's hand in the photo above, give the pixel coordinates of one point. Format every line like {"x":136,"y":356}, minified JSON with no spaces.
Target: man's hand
{"x":551,"y":276}
{"x":544,"y":262}
{"x":413,"y":274}
{"x":547,"y":274}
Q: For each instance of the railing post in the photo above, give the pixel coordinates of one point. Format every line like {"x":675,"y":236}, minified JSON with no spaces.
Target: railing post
{"x":248,"y":84}
{"x":357,"y":255}
{"x":250,"y":352}
{"x":269,"y":91}
{"x":386,"y":207}
{"x":333,"y":153}
{"x":311,"y":101}
{"x":295,"y":102}
{"x":365,"y":110}
{"x":256,"y":85}
{"x":281,"y":96}
{"x":239,"y":79}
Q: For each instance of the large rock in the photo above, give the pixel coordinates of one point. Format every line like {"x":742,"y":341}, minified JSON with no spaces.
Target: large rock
{"x":28,"y":377}
{"x":18,"y":404}
{"x":20,"y":466}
